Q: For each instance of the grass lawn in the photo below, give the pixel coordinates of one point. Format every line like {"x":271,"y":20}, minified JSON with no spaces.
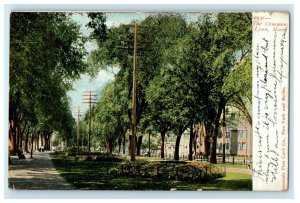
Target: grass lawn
{"x":92,"y":175}
{"x":232,"y":165}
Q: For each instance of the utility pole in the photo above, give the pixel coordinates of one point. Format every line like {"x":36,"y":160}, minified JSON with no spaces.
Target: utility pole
{"x":132,"y":140}
{"x":89,"y":98}
{"x":78,"y":113}
{"x":133,"y":118}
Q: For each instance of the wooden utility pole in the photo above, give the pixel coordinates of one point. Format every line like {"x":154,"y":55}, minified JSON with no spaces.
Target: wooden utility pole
{"x":78,"y":113}
{"x":133,"y":117}
{"x":89,"y":98}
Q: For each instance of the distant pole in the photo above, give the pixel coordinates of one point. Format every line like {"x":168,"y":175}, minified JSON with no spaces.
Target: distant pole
{"x":132,"y":143}
{"x":78,"y":112}
{"x":149,"y":145}
{"x":89,"y":99}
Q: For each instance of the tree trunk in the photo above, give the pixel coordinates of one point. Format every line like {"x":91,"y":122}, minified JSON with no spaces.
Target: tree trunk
{"x":162,"y":147}
{"x":26,"y":140}
{"x":207,"y":145}
{"x":21,"y":140}
{"x":42,"y":141}
{"x":37,"y":141}
{"x":138,"y":145}
{"x":213,"y":149}
{"x":12,"y":138}
{"x":132,"y":147}
{"x":110,"y":146}
{"x":223,"y":136}
{"x":49,"y":142}
{"x":192,"y":135}
{"x":18,"y":131}
{"x":119,"y":143}
{"x":124,"y":141}
{"x":177,"y":143}
{"x":22,"y":134}
{"x":181,"y":129}
{"x":195,"y":142}
{"x":46,"y":143}
{"x":82,"y":139}
{"x":32,"y":139}
{"x":213,"y":157}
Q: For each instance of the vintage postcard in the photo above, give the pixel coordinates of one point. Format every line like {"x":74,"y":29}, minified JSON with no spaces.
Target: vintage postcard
{"x":148,"y":101}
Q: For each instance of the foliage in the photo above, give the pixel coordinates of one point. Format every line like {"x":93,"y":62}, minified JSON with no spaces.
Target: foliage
{"x":72,"y":151}
{"x":185,"y":171}
{"x":109,"y":118}
{"x":187,"y":72}
{"x":46,"y":54}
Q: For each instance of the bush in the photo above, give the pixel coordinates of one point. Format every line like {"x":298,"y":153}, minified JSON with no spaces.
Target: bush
{"x":187,"y":171}
{"x":72,"y":151}
{"x":113,"y":172}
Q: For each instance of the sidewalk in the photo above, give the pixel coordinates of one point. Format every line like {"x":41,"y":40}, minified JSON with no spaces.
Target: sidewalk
{"x":38,"y":173}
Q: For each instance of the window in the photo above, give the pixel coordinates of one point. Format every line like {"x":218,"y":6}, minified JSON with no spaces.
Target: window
{"x":242,"y":146}
{"x":227,"y":134}
{"x":227,"y":146}
{"x":242,"y":133}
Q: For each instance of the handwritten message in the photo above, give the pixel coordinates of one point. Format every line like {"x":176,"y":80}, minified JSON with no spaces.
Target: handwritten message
{"x":270,"y":63}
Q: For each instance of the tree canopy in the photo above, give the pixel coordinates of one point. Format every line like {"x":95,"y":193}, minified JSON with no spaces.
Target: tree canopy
{"x":46,"y":54}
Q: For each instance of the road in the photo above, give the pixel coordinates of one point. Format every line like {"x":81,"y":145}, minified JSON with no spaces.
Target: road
{"x":38,"y":173}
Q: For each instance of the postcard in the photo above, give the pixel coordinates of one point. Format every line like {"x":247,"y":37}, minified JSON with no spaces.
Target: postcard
{"x":148,"y":101}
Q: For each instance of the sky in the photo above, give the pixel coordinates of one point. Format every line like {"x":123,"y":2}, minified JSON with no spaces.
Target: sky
{"x":87,"y":83}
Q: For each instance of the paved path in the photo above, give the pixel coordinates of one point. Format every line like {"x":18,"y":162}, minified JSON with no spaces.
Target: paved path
{"x":38,"y":173}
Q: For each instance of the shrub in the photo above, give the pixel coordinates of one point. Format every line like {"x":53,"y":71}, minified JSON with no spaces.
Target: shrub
{"x":187,"y":171}
{"x":113,"y":172}
{"x":72,"y":151}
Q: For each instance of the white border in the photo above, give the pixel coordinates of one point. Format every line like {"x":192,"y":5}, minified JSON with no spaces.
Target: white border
{"x":115,"y":5}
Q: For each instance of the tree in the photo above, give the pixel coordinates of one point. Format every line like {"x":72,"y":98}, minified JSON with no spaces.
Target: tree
{"x":46,"y":54}
{"x":109,"y":118}
{"x":117,"y":50}
{"x":204,"y":59}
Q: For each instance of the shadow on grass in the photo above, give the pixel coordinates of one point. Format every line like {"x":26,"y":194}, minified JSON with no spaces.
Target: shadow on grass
{"x":241,"y":184}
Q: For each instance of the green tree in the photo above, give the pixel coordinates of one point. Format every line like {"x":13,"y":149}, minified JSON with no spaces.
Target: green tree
{"x":157,"y":33}
{"x":109,"y":118}
{"x":46,"y":54}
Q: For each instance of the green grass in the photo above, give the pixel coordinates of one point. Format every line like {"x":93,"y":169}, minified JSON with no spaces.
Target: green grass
{"x":233,"y":165}
{"x":92,"y":175}
{"x":232,"y":181}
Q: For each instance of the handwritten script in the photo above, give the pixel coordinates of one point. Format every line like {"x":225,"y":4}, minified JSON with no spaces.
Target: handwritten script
{"x":270,"y":88}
